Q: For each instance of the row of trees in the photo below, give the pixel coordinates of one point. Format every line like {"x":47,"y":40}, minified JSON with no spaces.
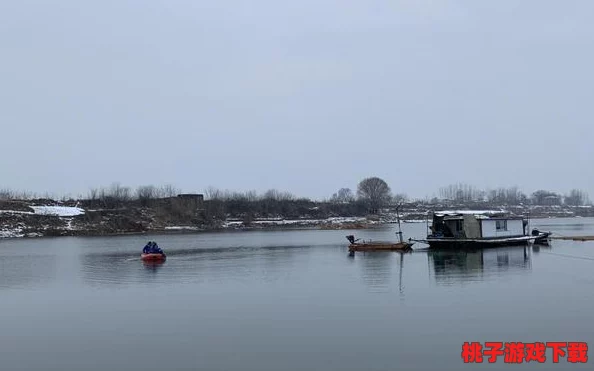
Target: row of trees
{"x":115,"y":192}
{"x":376,"y":193}
{"x":212,"y":193}
{"x":116,"y":195}
{"x":122,"y":193}
{"x":512,"y":196}
{"x":468,"y":193}
{"x":373,"y":193}
{"x":9,"y":194}
{"x":224,"y":204}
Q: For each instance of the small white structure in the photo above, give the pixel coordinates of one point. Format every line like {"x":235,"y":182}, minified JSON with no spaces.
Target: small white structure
{"x":500,"y":227}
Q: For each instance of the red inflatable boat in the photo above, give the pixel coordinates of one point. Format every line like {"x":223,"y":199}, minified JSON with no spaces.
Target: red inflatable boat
{"x":152,"y":257}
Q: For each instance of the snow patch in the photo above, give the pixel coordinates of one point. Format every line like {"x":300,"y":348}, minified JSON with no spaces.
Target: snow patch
{"x":469,"y":212}
{"x":57,"y":210}
{"x":69,"y":225}
{"x":182,"y":228}
{"x":297,"y":222}
{"x":339,"y":220}
{"x":11,"y":233}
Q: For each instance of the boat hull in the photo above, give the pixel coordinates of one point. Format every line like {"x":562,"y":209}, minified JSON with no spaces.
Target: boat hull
{"x":152,"y":257}
{"x":449,"y":243}
{"x":403,"y":246}
{"x":542,"y":238}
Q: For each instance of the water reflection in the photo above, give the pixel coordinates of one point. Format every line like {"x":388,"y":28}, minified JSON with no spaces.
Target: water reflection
{"x":377,"y":268}
{"x":191,"y":265}
{"x":537,"y":247}
{"x":20,"y":271}
{"x":109,"y":268}
{"x":475,"y":265}
{"x":153,"y":265}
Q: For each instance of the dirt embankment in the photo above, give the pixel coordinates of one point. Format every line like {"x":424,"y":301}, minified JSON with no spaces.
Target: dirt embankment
{"x":174,"y":215}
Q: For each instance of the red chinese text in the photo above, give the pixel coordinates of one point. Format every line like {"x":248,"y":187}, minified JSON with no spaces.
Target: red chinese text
{"x":519,"y":352}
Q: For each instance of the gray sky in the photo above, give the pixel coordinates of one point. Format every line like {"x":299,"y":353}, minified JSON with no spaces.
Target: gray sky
{"x":305,"y":96}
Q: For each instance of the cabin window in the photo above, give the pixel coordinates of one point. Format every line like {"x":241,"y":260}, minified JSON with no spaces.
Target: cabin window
{"x":501,"y":225}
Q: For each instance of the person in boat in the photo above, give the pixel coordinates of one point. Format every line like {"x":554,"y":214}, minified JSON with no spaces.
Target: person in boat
{"x":155,"y":249}
{"x":147,"y":248}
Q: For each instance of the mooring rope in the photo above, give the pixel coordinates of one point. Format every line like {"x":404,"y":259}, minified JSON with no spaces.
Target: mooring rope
{"x":558,"y":234}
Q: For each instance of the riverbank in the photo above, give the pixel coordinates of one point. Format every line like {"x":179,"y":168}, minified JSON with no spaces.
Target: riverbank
{"x":39,"y":218}
{"x":22,"y":224}
{"x":19,"y":219}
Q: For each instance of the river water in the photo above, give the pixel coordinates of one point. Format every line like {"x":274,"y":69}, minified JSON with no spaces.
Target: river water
{"x":286,"y":300}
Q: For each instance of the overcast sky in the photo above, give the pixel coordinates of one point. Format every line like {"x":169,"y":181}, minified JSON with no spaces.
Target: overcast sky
{"x":305,"y":96}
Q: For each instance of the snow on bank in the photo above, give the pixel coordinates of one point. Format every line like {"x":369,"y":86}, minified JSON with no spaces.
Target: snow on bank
{"x":12,"y":232}
{"x":17,"y":232}
{"x":182,"y":228}
{"x":341,"y":219}
{"x":57,"y":210}
{"x":297,"y":222}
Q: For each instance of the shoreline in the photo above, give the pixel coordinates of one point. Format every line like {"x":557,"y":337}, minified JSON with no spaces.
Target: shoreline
{"x":293,"y":225}
{"x":46,"y":218}
{"x":17,"y":234}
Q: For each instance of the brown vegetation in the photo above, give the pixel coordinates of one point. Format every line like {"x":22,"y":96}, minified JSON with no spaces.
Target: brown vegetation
{"x":119,"y":209}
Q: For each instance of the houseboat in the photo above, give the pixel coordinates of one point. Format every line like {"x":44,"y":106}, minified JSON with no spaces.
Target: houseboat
{"x":478,"y":229}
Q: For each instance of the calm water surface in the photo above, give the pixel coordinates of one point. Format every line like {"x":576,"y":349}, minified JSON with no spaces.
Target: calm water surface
{"x":290,"y":300}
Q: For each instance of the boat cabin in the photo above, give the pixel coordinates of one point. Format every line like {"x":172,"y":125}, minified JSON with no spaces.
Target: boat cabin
{"x":471,"y":224}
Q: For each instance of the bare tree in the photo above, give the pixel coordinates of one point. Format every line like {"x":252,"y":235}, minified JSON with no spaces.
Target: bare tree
{"x":543,"y":197}
{"x":506,"y":196}
{"x":576,"y":197}
{"x":399,"y":198}
{"x":146,"y":193}
{"x":344,"y":195}
{"x":375,"y":192}
{"x":120,"y":193}
{"x":93,"y":194}
{"x":6,"y":194}
{"x":169,"y":190}
{"x":461,"y":192}
{"x":273,"y":194}
{"x":251,"y":196}
{"x":212,"y":193}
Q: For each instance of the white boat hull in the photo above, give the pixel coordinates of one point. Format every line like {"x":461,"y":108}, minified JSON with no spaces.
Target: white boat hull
{"x":446,"y":242}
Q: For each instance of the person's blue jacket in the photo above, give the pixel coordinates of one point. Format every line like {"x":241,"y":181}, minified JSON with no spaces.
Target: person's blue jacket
{"x":150,"y":248}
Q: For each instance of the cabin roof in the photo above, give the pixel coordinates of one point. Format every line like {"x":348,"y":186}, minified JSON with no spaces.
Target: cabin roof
{"x":478,"y":214}
{"x":470,"y":212}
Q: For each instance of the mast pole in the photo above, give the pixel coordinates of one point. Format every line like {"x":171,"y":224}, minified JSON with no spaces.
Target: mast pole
{"x":528,"y":232}
{"x":398,"y":219}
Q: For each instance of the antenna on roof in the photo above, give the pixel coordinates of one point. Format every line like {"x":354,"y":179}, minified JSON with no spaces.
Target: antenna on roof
{"x":528,"y":227}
